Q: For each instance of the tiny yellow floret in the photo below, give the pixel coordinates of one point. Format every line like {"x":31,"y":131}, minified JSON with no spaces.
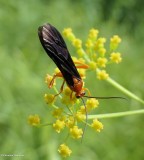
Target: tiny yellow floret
{"x":34,"y":120}
{"x":57,"y":112}
{"x":80,"y":116}
{"x":89,"y":44}
{"x":82,"y":110}
{"x":64,"y":150}
{"x":67,"y":91}
{"x":97,"y":125}
{"x":102,"y":75}
{"x":102,"y":62}
{"x":67,"y":32}
{"x":77,"y":43}
{"x":80,"y":52}
{"x":75,"y":132}
{"x":101,"y":40}
{"x":99,"y":43}
{"x":102,"y":51}
{"x":59,"y":125}
{"x":92,"y":65}
{"x":93,"y":33}
{"x":114,"y":42}
{"x":82,"y":73}
{"x":56,"y":70}
{"x":115,"y":39}
{"x":70,"y":121}
{"x":92,"y":103}
{"x":116,"y":57}
{"x":48,"y":79}
{"x":49,"y":98}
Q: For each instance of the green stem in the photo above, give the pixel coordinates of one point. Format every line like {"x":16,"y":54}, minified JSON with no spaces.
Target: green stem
{"x":124,"y":90}
{"x":115,"y":115}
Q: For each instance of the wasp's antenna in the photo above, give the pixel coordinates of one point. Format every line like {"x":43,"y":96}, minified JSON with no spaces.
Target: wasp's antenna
{"x":105,"y":97}
{"x":86,"y":118}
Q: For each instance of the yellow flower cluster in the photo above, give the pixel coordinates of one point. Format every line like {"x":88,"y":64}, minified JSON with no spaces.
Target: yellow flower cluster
{"x":95,"y":53}
{"x":70,"y":118}
{"x":69,"y":115}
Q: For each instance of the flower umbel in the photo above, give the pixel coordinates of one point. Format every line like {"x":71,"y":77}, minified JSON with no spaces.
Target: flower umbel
{"x":67,"y":112}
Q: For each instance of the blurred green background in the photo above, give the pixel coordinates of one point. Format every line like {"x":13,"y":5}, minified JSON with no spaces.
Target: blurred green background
{"x":23,"y":66}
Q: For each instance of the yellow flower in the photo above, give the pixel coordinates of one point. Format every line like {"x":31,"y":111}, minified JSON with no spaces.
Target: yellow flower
{"x":114,"y":42}
{"x":67,"y":32}
{"x":97,"y":125}
{"x":116,"y":57}
{"x":80,"y":116}
{"x":80,"y":52}
{"x":77,"y":43}
{"x":34,"y":120}
{"x":89,"y":43}
{"x":102,"y":51}
{"x":59,"y":125}
{"x":115,"y":39}
{"x":57,"y":112}
{"x":93,"y":33}
{"x":102,"y":62}
{"x":102,"y":75}
{"x":67,"y":100}
{"x":49,"y":98}
{"x":64,"y":150}
{"x":67,"y":91}
{"x":91,"y":103}
{"x":48,"y":79}
{"x":70,"y":122}
{"x":82,"y":72}
{"x":101,"y":40}
{"x":99,"y":43}
{"x":92,"y":65}
{"x":75,"y":132}
{"x":57,"y":70}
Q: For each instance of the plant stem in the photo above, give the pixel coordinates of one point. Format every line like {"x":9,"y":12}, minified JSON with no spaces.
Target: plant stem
{"x":124,"y":90}
{"x":115,"y":115}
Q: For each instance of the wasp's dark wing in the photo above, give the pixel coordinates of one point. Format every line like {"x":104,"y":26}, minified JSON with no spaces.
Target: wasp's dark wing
{"x":56,"y":48}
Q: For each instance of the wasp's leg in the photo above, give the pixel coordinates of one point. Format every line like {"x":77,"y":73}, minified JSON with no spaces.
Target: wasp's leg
{"x":61,"y":89}
{"x":81,"y":65}
{"x":59,"y":74}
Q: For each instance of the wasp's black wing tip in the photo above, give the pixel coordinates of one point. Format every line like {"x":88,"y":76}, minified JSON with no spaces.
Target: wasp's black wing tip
{"x":48,"y":26}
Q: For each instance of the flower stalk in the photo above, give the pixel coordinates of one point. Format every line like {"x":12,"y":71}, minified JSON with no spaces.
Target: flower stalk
{"x":115,"y":115}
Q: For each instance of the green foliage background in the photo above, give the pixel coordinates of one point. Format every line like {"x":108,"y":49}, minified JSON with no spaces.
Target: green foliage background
{"x":23,"y":65}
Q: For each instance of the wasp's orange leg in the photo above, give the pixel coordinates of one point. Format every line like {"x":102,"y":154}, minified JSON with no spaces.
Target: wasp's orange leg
{"x":81,"y":65}
{"x":59,"y":74}
{"x":61,"y":89}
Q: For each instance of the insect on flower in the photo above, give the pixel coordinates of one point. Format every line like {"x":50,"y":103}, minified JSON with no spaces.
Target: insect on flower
{"x":56,"y":49}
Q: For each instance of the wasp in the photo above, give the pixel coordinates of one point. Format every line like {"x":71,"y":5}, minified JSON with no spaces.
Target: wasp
{"x":55,"y":46}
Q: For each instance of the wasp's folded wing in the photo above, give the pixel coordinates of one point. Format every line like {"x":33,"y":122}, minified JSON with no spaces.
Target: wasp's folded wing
{"x":56,"y":48}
